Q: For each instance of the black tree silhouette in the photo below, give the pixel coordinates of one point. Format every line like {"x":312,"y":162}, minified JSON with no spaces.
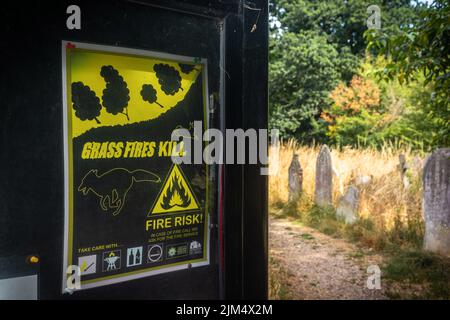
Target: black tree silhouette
{"x":187,"y":68}
{"x":85,"y":103}
{"x":116,"y":94}
{"x":168,"y":78}
{"x":148,"y":94}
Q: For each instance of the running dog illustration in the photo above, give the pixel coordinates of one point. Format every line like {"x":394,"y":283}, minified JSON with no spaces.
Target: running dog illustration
{"x":112,"y":186}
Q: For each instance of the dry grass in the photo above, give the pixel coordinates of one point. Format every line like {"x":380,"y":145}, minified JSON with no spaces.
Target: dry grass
{"x":278,"y":289}
{"x":384,"y":201}
{"x":391,"y":218}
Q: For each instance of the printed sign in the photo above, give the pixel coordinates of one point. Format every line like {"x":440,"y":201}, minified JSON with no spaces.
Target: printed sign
{"x":128,"y":207}
{"x":176,"y":194}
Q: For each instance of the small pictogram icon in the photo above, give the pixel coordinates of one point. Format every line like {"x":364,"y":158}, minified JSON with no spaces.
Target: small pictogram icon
{"x":134,"y":256}
{"x":111,"y":260}
{"x":176,"y":195}
{"x":87,"y":264}
{"x":155,"y":253}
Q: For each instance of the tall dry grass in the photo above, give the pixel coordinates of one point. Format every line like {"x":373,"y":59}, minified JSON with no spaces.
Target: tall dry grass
{"x":391,"y":215}
{"x":384,"y":200}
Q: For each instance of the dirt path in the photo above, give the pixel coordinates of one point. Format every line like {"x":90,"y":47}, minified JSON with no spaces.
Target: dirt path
{"x":312,"y":265}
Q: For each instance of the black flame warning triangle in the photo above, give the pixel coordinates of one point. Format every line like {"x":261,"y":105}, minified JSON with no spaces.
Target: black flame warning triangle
{"x":176,"y":195}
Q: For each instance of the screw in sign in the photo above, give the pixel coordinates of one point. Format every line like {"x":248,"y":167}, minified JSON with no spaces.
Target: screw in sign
{"x":155,"y":253}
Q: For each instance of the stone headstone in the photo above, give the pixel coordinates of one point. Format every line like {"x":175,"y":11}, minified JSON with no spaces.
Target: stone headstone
{"x":295,"y":178}
{"x":348,"y":206}
{"x":436,"y":202}
{"x":324,"y":178}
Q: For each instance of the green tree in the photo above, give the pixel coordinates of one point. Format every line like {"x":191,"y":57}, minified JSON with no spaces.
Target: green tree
{"x":314,"y":45}
{"x":355,"y":112}
{"x":343,"y":22}
{"x":423,"y":48}
{"x":372,"y":112}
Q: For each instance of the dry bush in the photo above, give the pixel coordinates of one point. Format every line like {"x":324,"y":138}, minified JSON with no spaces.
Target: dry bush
{"x":384,"y":200}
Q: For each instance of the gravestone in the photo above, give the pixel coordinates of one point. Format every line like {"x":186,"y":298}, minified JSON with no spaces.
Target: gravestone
{"x":324,"y":178}
{"x":436,"y":202}
{"x":295,"y":178}
{"x":348,"y":206}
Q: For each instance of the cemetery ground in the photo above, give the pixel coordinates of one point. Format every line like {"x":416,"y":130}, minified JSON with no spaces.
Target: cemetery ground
{"x":315,"y":255}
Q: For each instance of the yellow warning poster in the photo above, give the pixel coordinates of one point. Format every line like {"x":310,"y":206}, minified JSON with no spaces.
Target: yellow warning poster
{"x":130,"y":212}
{"x":176,"y":195}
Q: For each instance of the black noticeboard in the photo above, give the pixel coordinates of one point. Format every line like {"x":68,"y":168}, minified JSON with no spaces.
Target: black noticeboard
{"x":87,"y":178}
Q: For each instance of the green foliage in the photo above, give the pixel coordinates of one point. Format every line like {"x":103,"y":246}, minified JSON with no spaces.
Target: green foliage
{"x":398,"y":118}
{"x":356,"y":130}
{"x":307,"y":236}
{"x":418,"y":266}
{"x":304,"y":68}
{"x":423,"y":48}
{"x":343,"y":22}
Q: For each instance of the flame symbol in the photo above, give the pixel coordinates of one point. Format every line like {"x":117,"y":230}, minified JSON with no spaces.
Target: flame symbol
{"x":176,"y":194}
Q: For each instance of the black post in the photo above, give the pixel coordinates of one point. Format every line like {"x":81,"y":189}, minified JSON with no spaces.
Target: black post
{"x":246,"y":241}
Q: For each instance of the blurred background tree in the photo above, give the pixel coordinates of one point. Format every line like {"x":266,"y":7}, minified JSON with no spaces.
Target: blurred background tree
{"x":421,"y":50}
{"x":322,"y":54}
{"x":303,"y":70}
